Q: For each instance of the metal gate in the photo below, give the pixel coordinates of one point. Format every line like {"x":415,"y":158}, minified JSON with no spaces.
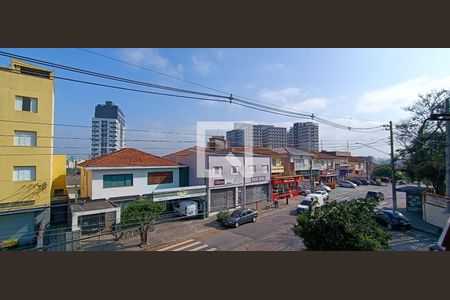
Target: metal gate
{"x":222,"y":199}
{"x":257,"y":193}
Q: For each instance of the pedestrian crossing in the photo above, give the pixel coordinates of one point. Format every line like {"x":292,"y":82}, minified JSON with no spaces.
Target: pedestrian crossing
{"x":188,"y":245}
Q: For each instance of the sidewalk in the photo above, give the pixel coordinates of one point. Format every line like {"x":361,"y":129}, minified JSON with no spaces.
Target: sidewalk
{"x":419,"y":224}
{"x":170,"y":232}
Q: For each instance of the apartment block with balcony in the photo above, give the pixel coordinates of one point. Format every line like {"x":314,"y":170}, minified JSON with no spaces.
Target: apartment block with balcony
{"x":31,"y":175}
{"x":304,"y":136}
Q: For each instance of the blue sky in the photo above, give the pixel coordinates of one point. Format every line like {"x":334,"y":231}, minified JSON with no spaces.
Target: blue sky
{"x":368,"y":85}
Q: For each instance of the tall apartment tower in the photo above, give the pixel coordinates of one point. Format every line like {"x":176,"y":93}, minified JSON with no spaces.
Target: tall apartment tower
{"x":108,"y":129}
{"x":267,"y":136}
{"x":304,"y":136}
{"x":241,"y":135}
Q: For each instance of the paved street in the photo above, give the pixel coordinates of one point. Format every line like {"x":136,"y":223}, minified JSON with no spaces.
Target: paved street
{"x":269,"y":233}
{"x":273,"y":232}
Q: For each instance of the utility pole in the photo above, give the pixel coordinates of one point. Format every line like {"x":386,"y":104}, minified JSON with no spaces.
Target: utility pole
{"x":394,"y":193}
{"x":76,"y":183}
{"x":447,"y":149}
{"x":347,"y":146}
{"x":311,"y":181}
{"x":445,"y":116}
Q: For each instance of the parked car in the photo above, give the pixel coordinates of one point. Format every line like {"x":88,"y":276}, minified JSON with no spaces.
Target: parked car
{"x":304,"y":205}
{"x":372,"y":182}
{"x":392,"y":219}
{"x":347,"y":184}
{"x":306,"y":202}
{"x":385,"y":179}
{"x":325,"y":188}
{"x":364,"y":181}
{"x":400,"y":182}
{"x":241,"y":216}
{"x":305,"y":192}
{"x":379,"y":196}
{"x":320,"y":194}
{"x":355,"y":181}
{"x":331,"y":185}
{"x":186,"y":208}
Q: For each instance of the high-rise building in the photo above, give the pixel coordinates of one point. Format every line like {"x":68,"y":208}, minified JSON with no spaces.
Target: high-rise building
{"x":304,"y":136}
{"x":274,"y":137}
{"x":32,"y":175}
{"x":240,"y":135}
{"x":108,"y":129}
{"x":267,"y":136}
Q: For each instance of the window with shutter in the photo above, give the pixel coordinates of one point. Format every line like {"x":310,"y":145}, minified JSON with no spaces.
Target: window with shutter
{"x":159,"y":177}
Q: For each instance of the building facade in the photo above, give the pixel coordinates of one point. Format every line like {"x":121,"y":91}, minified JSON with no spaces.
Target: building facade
{"x":223,"y":174}
{"x":267,"y":136}
{"x":304,"y":136}
{"x":299,"y":162}
{"x":108,"y":129}
{"x":110,"y":182}
{"x":218,"y":143}
{"x":27,"y":180}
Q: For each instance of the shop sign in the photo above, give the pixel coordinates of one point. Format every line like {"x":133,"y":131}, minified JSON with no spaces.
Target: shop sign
{"x":219,"y":182}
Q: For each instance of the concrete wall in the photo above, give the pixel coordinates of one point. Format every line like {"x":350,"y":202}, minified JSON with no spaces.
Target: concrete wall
{"x":139,"y":187}
{"x":59,"y":174}
{"x":435,"y":215}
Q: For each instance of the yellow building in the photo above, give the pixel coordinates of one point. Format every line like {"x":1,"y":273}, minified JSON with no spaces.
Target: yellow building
{"x":28,"y":177}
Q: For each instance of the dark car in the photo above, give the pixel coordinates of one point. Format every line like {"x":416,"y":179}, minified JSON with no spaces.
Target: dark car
{"x":385,"y":180}
{"x":372,"y":182}
{"x":304,"y":205}
{"x":241,"y":216}
{"x":364,"y":181}
{"x":357,"y":182}
{"x":379,"y":196}
{"x":400,"y":182}
{"x":392,"y":219}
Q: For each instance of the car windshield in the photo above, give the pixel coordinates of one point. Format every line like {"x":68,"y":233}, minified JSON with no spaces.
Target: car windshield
{"x":399,"y":215}
{"x":306,"y":202}
{"x":237,"y":213}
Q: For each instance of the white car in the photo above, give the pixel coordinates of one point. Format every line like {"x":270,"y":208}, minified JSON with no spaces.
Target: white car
{"x":321,"y":194}
{"x":325,"y":188}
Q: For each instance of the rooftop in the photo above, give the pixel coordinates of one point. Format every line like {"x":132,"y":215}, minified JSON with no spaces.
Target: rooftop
{"x":293,"y":151}
{"x":128,"y":157}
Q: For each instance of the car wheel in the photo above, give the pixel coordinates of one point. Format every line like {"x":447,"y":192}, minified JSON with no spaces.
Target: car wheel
{"x":254,"y":219}
{"x":390,"y":227}
{"x":236,"y":225}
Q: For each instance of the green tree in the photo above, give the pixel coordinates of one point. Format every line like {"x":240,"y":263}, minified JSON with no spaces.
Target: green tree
{"x":385,"y":170}
{"x":342,"y":226}
{"x":142,"y":213}
{"x":423,"y":141}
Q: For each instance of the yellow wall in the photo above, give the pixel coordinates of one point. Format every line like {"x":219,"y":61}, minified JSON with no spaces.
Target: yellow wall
{"x":59,"y":173}
{"x":14,"y":84}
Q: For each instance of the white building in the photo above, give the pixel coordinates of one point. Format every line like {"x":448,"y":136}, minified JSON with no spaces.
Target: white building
{"x":223,"y":175}
{"x":108,"y":129}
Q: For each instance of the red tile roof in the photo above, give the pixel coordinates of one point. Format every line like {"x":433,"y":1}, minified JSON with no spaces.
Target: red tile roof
{"x":355,"y":159}
{"x":128,"y":157}
{"x":322,"y":155}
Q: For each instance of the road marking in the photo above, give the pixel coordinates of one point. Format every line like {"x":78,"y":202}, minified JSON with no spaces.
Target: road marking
{"x":173,"y":246}
{"x":212,"y":249}
{"x":199,"y":247}
{"x":187,"y":246}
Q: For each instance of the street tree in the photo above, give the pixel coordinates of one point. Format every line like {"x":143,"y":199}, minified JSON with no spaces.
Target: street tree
{"x":342,"y":226}
{"x":141,"y":213}
{"x":385,"y":170}
{"x":423,"y":141}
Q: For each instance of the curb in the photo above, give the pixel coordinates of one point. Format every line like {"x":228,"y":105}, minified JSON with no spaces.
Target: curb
{"x":425,"y":231}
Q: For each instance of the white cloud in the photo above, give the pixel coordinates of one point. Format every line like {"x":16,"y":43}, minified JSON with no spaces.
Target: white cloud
{"x":294,"y":98}
{"x":202,"y":64}
{"x":392,"y":99}
{"x":148,"y":57}
{"x":272,"y":67}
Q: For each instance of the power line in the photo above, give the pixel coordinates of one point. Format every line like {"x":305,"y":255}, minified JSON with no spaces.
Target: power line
{"x":252,"y":105}
{"x":207,"y":87}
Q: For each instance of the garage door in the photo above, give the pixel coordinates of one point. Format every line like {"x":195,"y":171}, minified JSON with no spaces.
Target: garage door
{"x":18,"y":226}
{"x":222,"y":199}
{"x":257,"y":193}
